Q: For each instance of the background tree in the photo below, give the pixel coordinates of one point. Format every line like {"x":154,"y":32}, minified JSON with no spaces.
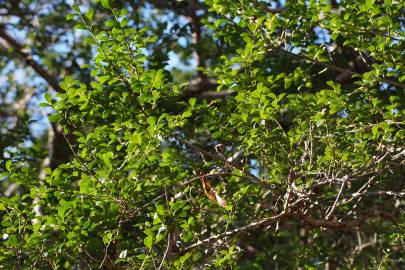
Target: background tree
{"x":273,"y":140}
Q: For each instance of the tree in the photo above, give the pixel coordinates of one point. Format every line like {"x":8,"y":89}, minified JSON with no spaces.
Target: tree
{"x":283,"y":150}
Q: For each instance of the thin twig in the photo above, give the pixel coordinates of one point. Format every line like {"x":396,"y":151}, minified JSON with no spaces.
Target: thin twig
{"x":223,"y":159}
{"x":105,"y":255}
{"x":168,"y":248}
{"x":379,"y":193}
{"x":247,"y":227}
{"x":27,"y":58}
{"x":344,"y":179}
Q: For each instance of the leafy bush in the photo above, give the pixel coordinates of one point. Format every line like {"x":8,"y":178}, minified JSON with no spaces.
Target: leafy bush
{"x":296,"y":162}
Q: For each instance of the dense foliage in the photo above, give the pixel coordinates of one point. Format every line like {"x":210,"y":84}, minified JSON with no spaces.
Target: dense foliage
{"x":283,"y":150}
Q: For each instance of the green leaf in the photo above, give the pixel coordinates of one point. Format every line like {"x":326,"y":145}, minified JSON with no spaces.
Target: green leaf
{"x":124,"y":12}
{"x":185,"y":257}
{"x":71,"y":235}
{"x":244,"y":117}
{"x":8,"y":165}
{"x":148,"y":241}
{"x":375,"y":130}
{"x":124,"y":22}
{"x":192,"y":101}
{"x":151,"y":120}
{"x":186,"y":114}
{"x":76,"y":8}
{"x":6,"y":223}
{"x":48,"y":98}
{"x":80,"y":26}
{"x":110,"y":23}
{"x":54,"y":117}
{"x":106,"y":4}
{"x":70,"y":16}
{"x":107,"y":238}
{"x":89,"y":14}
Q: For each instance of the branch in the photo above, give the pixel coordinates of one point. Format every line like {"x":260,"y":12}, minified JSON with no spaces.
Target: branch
{"x":379,"y":193}
{"x":23,"y":102}
{"x":297,"y":216}
{"x":201,"y":151}
{"x":250,"y":226}
{"x":14,"y":109}
{"x":273,"y":10}
{"x":27,"y":58}
{"x":198,"y":86}
{"x":344,"y":225}
{"x":339,"y":69}
{"x":328,"y":223}
{"x":204,"y":88}
{"x":211,"y":95}
{"x":43,"y":173}
{"x":337,"y":199}
{"x":327,"y":65}
{"x":195,"y":21}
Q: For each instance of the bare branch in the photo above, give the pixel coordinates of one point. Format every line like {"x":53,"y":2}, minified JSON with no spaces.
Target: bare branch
{"x":273,"y":10}
{"x":27,"y":58}
{"x":339,"y":69}
{"x":197,"y":86}
{"x":250,"y":226}
{"x":337,"y":198}
{"x":379,"y":193}
{"x":195,"y":21}
{"x":23,"y":102}
{"x":201,"y":151}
